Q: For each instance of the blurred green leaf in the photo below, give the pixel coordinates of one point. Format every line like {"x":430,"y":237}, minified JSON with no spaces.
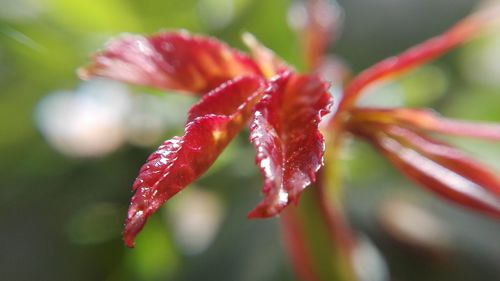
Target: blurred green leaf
{"x":95,"y":15}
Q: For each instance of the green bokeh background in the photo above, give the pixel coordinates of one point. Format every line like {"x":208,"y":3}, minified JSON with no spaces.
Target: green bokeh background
{"x":61,"y":216}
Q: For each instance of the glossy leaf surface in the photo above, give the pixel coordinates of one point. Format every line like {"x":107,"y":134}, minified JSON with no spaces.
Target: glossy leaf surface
{"x":170,"y":61}
{"x":212,"y":123}
{"x":284,"y":131}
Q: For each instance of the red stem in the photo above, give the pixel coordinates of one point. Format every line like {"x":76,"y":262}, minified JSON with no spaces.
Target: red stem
{"x":419,"y":54}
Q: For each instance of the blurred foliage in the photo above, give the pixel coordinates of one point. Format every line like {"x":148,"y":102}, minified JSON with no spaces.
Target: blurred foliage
{"x":62,"y":216}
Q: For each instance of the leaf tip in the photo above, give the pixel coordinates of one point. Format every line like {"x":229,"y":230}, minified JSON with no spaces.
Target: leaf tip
{"x":254,"y":215}
{"x":133,"y":225}
{"x":261,"y":212}
{"x":249,"y":39}
{"x":85,"y":73}
{"x":270,"y":208}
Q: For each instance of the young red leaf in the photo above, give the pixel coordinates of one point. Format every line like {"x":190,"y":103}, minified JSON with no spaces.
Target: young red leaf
{"x":320,"y":23}
{"x":427,"y":120}
{"x":284,"y":130}
{"x":431,"y":121}
{"x":170,"y":61}
{"x":212,"y":123}
{"x":420,"y":54}
{"x":269,"y":63}
{"x":439,"y":167}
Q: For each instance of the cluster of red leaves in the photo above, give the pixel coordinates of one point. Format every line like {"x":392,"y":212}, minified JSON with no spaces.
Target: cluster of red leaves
{"x":283,"y":110}
{"x":401,"y":134}
{"x":283,"y":114}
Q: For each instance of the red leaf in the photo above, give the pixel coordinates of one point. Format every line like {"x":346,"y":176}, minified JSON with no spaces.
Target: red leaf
{"x":320,"y":23}
{"x":269,"y":63}
{"x":170,"y":61}
{"x":429,"y":120}
{"x":212,"y":123}
{"x":440,"y":167}
{"x":425,"y":120}
{"x":420,"y":54}
{"x":284,"y":130}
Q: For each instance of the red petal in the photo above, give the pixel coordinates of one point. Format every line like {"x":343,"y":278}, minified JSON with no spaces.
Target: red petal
{"x":284,"y":130}
{"x":420,"y":54}
{"x":170,"y":61}
{"x":441,"y":168}
{"x":181,"y":160}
